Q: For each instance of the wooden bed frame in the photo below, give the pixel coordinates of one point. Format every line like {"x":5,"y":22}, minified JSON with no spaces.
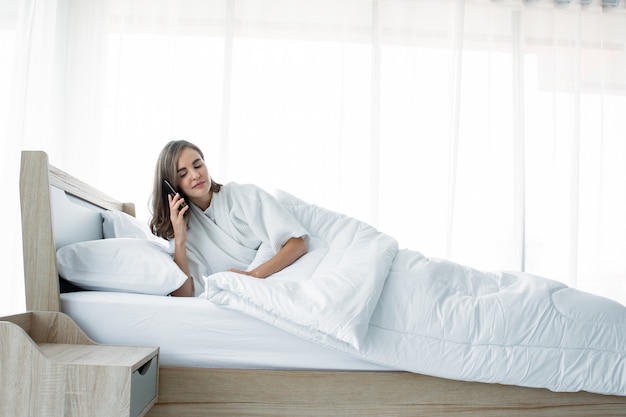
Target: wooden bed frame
{"x":232,"y":392}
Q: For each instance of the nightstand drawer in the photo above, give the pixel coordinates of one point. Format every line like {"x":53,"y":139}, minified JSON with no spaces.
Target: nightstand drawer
{"x":143,"y":386}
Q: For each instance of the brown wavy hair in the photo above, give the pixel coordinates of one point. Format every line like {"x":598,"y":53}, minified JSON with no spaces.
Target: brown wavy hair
{"x":160,"y":223}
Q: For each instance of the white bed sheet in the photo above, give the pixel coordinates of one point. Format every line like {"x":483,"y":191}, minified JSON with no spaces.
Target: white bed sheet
{"x":193,"y":332}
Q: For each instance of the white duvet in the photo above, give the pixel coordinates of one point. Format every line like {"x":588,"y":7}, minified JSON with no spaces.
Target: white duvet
{"x":356,"y":292}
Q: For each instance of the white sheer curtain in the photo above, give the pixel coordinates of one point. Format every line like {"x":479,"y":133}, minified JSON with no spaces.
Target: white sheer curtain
{"x":489,"y":133}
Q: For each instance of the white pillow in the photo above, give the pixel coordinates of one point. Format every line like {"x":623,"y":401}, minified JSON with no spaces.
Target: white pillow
{"x":118,"y":224}
{"x":121,"y":265}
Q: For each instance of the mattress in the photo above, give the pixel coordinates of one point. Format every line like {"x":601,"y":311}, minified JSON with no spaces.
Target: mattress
{"x":193,"y":332}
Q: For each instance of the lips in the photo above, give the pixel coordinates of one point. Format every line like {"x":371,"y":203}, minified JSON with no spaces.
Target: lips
{"x":199,"y":184}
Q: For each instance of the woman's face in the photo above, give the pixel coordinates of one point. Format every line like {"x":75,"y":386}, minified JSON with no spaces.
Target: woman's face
{"x":193,"y":176}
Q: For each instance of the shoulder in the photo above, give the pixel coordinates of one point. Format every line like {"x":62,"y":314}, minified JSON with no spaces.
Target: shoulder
{"x":245,"y":191}
{"x":249,"y":196}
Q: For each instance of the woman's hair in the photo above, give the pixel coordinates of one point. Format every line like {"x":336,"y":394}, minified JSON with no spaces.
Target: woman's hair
{"x":166,"y":169}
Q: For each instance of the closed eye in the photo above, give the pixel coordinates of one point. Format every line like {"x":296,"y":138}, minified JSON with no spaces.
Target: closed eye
{"x":197,"y":164}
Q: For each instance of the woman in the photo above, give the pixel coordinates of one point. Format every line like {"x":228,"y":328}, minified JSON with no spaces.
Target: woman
{"x":223,"y":226}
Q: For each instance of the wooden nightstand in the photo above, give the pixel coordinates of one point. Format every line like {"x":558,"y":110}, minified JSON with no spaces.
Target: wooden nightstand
{"x":49,"y":367}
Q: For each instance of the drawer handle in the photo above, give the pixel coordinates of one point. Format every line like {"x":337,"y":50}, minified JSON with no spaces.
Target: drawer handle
{"x":144,"y":368}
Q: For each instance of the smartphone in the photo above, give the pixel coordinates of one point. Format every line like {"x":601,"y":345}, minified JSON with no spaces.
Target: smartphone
{"x":166,"y":189}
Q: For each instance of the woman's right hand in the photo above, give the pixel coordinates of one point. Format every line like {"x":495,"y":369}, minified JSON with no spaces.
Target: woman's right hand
{"x":177,"y":217}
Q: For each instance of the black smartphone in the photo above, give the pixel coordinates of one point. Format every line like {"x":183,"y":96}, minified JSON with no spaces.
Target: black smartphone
{"x":166,"y":189}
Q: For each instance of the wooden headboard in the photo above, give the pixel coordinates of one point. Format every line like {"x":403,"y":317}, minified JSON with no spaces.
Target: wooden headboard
{"x":47,"y":195}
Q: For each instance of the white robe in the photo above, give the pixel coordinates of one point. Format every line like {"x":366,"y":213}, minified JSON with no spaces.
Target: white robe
{"x":246,"y":218}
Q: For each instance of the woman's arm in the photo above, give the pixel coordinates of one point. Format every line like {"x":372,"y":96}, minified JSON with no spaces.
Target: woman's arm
{"x":186,"y":290}
{"x":288,"y":254}
{"x":180,"y":257}
{"x":180,"y":244}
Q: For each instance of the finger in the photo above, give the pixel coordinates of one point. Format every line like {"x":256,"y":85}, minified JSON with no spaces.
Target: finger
{"x":172,"y":200}
{"x":178,"y":205}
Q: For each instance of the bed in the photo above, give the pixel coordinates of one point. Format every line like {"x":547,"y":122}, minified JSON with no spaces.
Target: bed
{"x":307,"y":379}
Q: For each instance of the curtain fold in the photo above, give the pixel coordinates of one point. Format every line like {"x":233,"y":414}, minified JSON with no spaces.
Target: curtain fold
{"x":486,"y":132}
